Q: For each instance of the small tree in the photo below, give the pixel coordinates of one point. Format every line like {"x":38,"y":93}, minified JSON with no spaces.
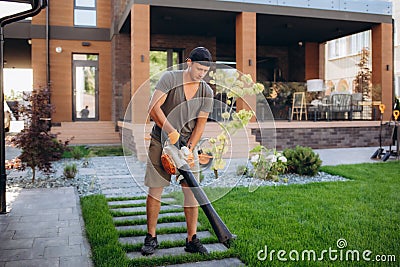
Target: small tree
{"x":362,"y":82}
{"x":234,"y":85}
{"x":39,"y":146}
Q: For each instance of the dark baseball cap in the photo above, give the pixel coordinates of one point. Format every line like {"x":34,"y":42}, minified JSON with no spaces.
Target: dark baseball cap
{"x":201,"y":55}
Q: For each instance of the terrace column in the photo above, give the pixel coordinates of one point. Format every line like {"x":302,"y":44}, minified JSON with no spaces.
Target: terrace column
{"x":246,"y":53}
{"x":312,"y":61}
{"x":140,"y":64}
{"x":382,"y":64}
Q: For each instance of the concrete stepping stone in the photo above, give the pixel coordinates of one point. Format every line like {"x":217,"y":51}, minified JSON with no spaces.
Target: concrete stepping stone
{"x":133,"y":240}
{"x":228,"y":262}
{"x":176,"y":251}
{"x":143,"y":209}
{"x":125,"y":192}
{"x":141,"y":217}
{"x":137,"y":201}
{"x":159,"y":226}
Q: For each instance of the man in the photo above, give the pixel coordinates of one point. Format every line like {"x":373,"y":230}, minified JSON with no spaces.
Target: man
{"x":85,"y":112}
{"x":179,"y":107}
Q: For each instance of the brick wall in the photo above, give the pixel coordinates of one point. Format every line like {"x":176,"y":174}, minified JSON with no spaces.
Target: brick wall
{"x":186,"y":42}
{"x":128,"y":139}
{"x":335,"y":137}
{"x":121,"y":74}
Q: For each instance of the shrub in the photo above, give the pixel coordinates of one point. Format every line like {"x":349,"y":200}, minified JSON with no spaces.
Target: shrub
{"x":70,"y":170}
{"x":77,"y":152}
{"x":268,"y":164}
{"x":302,"y":160}
{"x":242,"y":170}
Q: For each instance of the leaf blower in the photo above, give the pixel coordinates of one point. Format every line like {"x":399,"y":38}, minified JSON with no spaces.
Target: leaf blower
{"x":174,"y":161}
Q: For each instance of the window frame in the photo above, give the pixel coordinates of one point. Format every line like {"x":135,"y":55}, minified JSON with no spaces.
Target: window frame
{"x":85,"y":8}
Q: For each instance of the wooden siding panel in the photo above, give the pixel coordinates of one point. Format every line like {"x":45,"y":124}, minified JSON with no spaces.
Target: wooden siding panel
{"x":61,"y":74}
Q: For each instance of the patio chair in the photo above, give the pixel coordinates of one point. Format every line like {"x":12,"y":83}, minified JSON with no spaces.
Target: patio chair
{"x":356,"y":100}
{"x":340,"y":104}
{"x":323,"y":108}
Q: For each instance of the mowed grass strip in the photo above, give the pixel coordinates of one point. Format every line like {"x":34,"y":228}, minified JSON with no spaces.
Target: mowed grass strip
{"x":111,"y":199}
{"x":115,"y":213}
{"x":161,"y":231}
{"x":144,"y":221}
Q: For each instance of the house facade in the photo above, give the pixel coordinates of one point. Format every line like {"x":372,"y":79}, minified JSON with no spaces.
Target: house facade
{"x":343,"y":55}
{"x":95,"y":54}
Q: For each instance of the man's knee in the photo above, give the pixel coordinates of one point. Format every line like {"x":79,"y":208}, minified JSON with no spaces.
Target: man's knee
{"x":189,"y":198}
{"x":155,"y":193}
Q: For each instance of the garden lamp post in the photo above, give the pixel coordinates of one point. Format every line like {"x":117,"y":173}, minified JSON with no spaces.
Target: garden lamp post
{"x":37,"y":6}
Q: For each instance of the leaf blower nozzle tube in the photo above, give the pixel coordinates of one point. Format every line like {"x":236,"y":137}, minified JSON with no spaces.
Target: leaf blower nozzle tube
{"x":219,"y":227}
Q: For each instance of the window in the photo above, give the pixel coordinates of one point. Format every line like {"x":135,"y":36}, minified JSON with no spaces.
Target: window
{"x":337,"y":48}
{"x":160,"y":60}
{"x":85,"y":13}
{"x":349,"y":45}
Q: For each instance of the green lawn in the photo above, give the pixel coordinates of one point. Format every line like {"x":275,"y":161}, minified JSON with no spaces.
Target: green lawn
{"x":95,"y":151}
{"x":297,"y":218}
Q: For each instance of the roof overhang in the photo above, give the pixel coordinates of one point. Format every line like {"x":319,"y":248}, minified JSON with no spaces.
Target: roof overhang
{"x":276,"y":25}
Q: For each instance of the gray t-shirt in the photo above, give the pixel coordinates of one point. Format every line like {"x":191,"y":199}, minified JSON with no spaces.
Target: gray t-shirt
{"x":182,"y":113}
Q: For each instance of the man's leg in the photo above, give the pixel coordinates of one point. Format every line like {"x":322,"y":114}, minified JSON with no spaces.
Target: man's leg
{"x":153,"y":205}
{"x":191,"y":209}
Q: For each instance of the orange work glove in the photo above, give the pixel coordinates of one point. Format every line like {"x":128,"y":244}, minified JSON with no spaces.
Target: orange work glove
{"x":173,"y":137}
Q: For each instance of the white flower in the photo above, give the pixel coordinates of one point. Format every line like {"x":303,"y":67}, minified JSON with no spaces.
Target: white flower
{"x":271,"y":158}
{"x":225,"y":115}
{"x":282,"y":159}
{"x":254,"y":158}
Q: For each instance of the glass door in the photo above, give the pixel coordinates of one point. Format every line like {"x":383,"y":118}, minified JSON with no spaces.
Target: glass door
{"x":85,"y":88}
{"x":160,"y":60}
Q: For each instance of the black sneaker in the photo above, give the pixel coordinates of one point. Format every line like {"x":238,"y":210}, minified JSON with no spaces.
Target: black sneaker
{"x":150,"y":245}
{"x":195,"y":246}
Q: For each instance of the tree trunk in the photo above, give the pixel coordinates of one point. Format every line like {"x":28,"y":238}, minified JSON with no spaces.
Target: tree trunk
{"x":33,"y":174}
{"x":216,"y":174}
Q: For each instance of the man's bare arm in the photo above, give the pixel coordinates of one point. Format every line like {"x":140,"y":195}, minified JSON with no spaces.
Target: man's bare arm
{"x":156,"y":112}
{"x":198,"y":129}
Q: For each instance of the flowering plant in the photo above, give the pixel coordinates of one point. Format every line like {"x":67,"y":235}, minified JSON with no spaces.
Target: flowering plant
{"x":268,"y":164}
{"x":234,"y":85}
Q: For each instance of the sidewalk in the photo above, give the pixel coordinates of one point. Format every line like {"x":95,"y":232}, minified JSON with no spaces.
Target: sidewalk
{"x":337,"y":156}
{"x":45,"y":226}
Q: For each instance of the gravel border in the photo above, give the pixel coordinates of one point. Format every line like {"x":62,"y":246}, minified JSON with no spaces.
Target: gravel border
{"x":86,"y":181}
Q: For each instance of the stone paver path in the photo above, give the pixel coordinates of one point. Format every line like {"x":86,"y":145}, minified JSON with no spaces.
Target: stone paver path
{"x":117,"y":180}
{"x":130,"y":223}
{"x":41,"y":232}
